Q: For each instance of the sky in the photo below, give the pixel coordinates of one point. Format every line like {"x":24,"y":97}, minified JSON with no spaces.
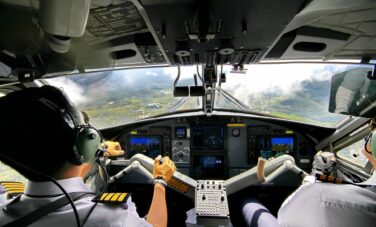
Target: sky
{"x":74,"y":90}
{"x":259,"y":78}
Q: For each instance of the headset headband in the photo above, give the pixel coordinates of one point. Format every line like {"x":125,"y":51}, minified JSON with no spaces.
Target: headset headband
{"x":72,"y":118}
{"x":87,"y":139}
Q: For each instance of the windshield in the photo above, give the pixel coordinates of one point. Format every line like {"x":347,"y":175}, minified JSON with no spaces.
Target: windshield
{"x":293,"y":91}
{"x":116,"y":97}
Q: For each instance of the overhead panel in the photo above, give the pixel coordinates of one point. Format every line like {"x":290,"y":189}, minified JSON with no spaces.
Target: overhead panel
{"x":115,"y":20}
{"x":219,"y":31}
{"x":117,"y":35}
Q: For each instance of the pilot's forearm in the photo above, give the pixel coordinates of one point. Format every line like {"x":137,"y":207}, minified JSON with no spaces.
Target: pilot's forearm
{"x":157,"y":215}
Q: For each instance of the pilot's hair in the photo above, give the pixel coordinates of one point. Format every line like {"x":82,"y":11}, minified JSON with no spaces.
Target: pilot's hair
{"x":33,"y":134}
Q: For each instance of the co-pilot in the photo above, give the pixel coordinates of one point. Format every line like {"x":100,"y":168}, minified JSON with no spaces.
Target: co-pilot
{"x":324,"y":204}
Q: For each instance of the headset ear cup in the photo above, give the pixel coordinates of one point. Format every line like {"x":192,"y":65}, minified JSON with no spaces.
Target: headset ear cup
{"x":87,"y":143}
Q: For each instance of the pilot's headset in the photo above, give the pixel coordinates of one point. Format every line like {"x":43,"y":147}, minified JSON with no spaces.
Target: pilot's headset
{"x":86,"y":139}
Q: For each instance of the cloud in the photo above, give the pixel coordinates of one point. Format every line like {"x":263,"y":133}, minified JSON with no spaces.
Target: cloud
{"x":186,"y":72}
{"x":272,"y":78}
{"x":151,"y":73}
{"x":75,"y":92}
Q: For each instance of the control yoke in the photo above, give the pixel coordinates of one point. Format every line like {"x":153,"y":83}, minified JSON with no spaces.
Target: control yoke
{"x":144,"y":165}
{"x":266,"y":171}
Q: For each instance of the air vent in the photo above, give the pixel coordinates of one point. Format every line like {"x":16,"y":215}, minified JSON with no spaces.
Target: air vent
{"x":309,"y":46}
{"x":123,"y":54}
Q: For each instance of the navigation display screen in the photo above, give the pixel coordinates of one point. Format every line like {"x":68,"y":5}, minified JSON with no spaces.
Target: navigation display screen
{"x":282,"y":144}
{"x":209,"y":167}
{"x":146,"y":145}
{"x":180,"y":132}
{"x":208,"y":138}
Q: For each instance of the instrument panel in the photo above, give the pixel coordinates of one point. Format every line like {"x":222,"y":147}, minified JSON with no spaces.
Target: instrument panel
{"x":217,"y":147}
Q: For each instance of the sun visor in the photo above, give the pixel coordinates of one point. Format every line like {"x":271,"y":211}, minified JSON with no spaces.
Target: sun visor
{"x":328,"y":30}
{"x":308,"y":43}
{"x":353,"y":92}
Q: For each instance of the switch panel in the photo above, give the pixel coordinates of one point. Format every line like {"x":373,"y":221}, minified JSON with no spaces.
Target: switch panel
{"x":181,"y":151}
{"x":211,"y":200}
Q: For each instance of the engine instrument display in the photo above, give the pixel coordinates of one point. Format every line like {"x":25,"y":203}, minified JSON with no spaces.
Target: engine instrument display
{"x":146,"y":145}
{"x":180,"y":132}
{"x":208,"y":138}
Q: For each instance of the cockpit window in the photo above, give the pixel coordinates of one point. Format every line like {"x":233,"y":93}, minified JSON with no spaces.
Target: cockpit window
{"x":353,"y":154}
{"x":9,"y":174}
{"x":113,"y":98}
{"x":293,"y":91}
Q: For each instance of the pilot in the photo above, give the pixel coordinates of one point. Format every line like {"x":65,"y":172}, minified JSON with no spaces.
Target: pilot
{"x":40,"y":133}
{"x":368,"y":151}
{"x":324,"y":204}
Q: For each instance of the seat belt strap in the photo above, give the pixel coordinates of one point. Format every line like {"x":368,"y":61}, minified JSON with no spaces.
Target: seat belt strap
{"x":43,"y":211}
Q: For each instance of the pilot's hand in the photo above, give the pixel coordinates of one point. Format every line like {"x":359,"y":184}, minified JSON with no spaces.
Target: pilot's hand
{"x":112,"y":149}
{"x":163,"y":168}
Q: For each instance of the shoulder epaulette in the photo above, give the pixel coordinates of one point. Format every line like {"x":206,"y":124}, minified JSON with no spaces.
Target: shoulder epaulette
{"x":13,"y":188}
{"x":112,"y":197}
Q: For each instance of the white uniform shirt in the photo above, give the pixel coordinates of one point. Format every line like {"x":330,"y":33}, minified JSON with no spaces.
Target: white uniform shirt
{"x":330,"y":205}
{"x":2,"y":195}
{"x":103,"y":214}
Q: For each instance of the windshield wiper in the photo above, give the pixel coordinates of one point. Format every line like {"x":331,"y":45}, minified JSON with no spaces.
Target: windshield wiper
{"x":232,"y":99}
{"x":178,"y":104}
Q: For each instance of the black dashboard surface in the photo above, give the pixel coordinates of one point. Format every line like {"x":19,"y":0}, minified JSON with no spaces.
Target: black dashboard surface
{"x":217,"y":147}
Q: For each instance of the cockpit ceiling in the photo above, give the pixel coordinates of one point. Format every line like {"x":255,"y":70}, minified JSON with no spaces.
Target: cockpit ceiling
{"x":131,"y":33}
